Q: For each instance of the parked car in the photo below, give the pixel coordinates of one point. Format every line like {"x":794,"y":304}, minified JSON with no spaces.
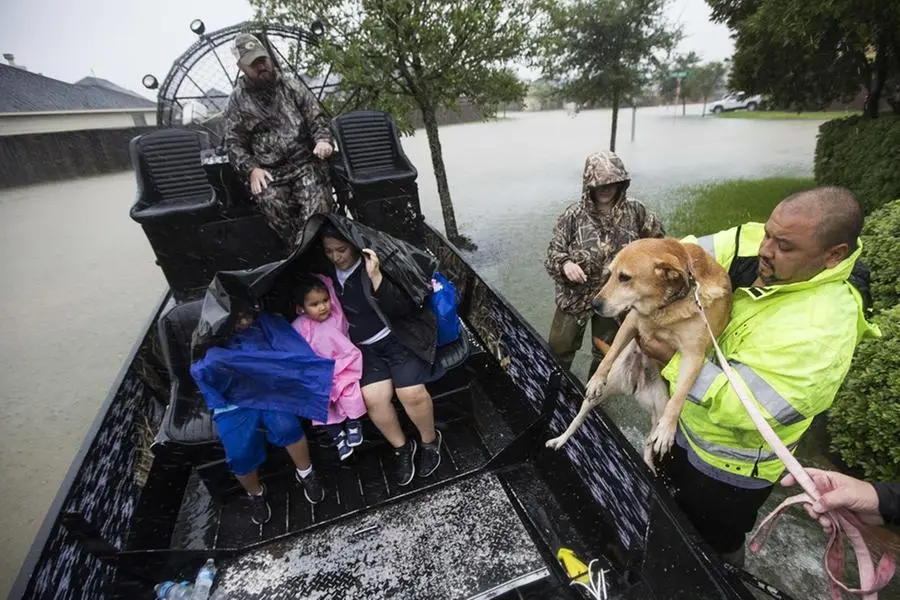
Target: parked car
{"x":736,"y":101}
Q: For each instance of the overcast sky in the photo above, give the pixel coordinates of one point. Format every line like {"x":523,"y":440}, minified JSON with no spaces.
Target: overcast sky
{"x":68,"y":39}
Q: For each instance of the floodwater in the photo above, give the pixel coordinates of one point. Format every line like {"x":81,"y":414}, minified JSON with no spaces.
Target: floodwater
{"x":78,"y":278}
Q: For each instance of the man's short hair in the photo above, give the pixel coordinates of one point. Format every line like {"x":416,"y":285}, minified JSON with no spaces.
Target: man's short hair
{"x":840,"y":216}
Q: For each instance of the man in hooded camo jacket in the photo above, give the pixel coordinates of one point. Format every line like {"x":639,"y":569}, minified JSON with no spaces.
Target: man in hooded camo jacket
{"x":278,"y":137}
{"x":587,"y":236}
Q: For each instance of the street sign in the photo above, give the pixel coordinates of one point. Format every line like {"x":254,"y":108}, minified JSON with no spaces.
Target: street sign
{"x":681,"y":74}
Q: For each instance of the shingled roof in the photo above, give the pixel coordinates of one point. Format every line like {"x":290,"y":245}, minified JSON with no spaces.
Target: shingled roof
{"x":24,"y":91}
{"x":106,"y":84}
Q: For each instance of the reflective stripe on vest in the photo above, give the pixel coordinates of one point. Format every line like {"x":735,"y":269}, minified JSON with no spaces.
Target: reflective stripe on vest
{"x":727,"y":452}
{"x":706,"y":242}
{"x":707,"y":376}
{"x":774,"y":403}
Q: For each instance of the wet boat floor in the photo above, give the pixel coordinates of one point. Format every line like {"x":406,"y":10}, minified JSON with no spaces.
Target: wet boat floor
{"x":366,"y":480}
{"x":454,"y":534}
{"x":463,"y":540}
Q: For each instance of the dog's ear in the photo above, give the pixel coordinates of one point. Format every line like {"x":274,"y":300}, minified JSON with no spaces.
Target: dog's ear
{"x":669,"y":268}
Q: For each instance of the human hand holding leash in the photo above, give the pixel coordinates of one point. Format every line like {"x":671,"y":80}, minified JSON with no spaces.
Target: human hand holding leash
{"x":843,"y":492}
{"x":574,"y":273}
{"x":259,"y":180}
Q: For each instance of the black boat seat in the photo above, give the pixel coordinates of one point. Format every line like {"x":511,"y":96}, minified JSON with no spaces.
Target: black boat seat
{"x":171,"y":181}
{"x":455,"y":353}
{"x":186,"y":421}
{"x":370,"y":149}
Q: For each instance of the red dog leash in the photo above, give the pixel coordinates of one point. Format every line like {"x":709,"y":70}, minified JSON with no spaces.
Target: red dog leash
{"x":843,"y":522}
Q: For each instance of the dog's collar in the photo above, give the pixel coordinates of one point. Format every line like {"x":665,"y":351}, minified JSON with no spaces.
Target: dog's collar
{"x":683,"y":292}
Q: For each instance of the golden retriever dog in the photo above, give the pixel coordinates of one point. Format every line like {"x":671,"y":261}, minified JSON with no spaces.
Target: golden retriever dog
{"x":653,"y":280}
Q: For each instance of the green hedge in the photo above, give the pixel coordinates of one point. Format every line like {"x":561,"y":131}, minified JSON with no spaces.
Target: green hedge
{"x":863,"y":155}
{"x":881,"y":252}
{"x":864,"y":422}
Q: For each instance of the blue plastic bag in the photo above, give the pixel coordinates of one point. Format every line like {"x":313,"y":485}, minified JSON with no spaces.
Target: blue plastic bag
{"x":443,"y":303}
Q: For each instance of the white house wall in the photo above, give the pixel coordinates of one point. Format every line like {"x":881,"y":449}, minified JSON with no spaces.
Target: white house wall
{"x":47,"y":123}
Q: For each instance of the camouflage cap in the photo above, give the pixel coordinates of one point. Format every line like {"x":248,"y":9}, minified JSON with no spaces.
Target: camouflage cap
{"x":247,"y":48}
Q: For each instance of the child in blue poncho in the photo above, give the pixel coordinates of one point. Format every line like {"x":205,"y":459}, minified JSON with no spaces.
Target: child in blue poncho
{"x":258,"y":385}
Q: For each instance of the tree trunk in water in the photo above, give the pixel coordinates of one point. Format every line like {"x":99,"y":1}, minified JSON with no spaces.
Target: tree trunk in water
{"x":873,"y":100}
{"x":429,"y":117}
{"x":615,"y":122}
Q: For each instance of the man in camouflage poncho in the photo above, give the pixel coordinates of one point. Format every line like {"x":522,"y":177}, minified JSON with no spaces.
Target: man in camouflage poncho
{"x":587,"y":236}
{"x":278,"y":137}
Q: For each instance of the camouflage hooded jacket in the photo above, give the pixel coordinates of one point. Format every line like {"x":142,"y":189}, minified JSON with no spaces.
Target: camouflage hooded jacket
{"x":274,"y":128}
{"x":590,"y":236}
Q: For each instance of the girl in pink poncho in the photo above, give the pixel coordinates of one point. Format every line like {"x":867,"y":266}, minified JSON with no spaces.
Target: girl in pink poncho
{"x":322,"y":324}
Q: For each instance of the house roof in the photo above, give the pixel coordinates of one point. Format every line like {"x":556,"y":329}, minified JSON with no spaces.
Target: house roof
{"x":106,"y":84}
{"x":24,"y":91}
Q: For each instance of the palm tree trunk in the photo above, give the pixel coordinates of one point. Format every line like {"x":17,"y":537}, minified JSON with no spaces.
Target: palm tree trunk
{"x":429,"y":117}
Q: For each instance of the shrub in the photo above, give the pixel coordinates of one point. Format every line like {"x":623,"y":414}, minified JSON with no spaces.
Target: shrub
{"x":712,"y":207}
{"x":881,"y":252}
{"x":861,"y":154}
{"x":864,"y":422}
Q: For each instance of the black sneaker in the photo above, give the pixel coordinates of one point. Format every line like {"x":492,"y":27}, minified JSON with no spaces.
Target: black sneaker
{"x":405,"y":458}
{"x":312,"y":487}
{"x":259,"y":510}
{"x":430,"y":456}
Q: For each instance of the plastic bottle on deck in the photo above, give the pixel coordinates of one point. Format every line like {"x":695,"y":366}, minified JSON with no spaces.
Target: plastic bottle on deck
{"x":205,"y":577}
{"x":172,"y":590}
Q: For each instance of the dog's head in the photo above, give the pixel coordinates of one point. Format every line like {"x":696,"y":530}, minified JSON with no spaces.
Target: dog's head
{"x":643,"y":276}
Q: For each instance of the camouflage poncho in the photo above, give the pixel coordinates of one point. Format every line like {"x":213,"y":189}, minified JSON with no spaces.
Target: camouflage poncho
{"x":590,"y":236}
{"x":275,"y":128}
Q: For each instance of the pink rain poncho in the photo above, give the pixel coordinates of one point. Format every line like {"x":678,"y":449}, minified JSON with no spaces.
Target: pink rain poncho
{"x":330,"y":339}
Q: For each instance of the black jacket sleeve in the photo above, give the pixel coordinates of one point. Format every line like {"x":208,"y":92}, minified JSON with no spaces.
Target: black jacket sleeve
{"x":889,"y":501}
{"x":392,"y":300}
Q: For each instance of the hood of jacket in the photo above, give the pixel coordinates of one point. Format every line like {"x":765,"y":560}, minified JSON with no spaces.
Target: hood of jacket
{"x":603,"y":168}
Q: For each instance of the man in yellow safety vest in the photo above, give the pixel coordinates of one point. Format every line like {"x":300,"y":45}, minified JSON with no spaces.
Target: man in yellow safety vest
{"x":798,"y":313}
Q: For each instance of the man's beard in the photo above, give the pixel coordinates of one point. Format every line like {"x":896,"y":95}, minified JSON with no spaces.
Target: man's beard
{"x":264,"y":81}
{"x":768,"y":279}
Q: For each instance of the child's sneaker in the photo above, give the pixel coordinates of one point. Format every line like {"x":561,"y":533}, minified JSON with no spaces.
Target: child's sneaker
{"x":430,"y":456}
{"x":312,"y":487}
{"x":259,"y":509}
{"x":354,"y":433}
{"x":404,"y":458}
{"x":343,"y":447}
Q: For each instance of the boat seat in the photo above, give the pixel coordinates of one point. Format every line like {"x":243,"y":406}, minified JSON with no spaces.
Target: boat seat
{"x":381,"y":180}
{"x":171,"y":181}
{"x":370,"y":149}
{"x":187,"y":421}
{"x":455,"y":353}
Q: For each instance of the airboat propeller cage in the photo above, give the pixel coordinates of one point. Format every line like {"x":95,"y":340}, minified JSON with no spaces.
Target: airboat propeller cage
{"x":203,"y":77}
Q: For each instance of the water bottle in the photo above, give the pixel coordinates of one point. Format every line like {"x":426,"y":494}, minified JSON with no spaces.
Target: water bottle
{"x":205,"y":577}
{"x":171,"y":590}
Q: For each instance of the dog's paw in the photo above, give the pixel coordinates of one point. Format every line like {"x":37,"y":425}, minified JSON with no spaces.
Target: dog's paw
{"x":648,"y":457}
{"x":556,"y":443}
{"x":662,"y":437}
{"x":594,"y":387}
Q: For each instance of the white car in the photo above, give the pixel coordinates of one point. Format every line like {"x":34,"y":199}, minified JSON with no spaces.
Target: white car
{"x":736,"y":101}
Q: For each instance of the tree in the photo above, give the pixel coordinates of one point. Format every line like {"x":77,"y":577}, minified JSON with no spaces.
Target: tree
{"x":605,"y":50}
{"x":669,"y":88}
{"x":400,"y":55}
{"x":806,"y":54}
{"x":706,"y":79}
